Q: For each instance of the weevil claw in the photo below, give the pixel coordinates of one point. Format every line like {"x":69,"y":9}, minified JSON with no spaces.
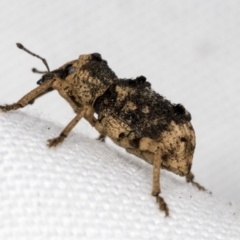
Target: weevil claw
{"x":7,"y":108}
{"x":162,"y":205}
{"x":55,"y":141}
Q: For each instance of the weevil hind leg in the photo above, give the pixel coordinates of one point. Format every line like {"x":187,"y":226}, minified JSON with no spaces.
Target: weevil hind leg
{"x":29,"y":97}
{"x":156,"y":190}
{"x":86,"y":112}
{"x":190,"y":178}
{"x":149,"y":151}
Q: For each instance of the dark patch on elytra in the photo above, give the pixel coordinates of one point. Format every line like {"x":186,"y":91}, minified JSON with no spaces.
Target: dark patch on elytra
{"x":151,"y":123}
{"x":180,"y":110}
{"x":136,"y":82}
{"x":141,"y":79}
{"x":183,"y":139}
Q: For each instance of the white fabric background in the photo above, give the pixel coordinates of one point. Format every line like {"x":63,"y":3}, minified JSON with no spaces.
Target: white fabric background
{"x":85,"y":189}
{"x":188,"y":50}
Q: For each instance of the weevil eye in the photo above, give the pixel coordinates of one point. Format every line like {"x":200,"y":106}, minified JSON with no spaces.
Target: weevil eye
{"x":64,"y":72}
{"x":97,"y":57}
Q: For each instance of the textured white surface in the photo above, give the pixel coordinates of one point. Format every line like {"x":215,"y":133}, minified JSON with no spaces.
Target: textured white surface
{"x":85,"y":189}
{"x":189,"y":50}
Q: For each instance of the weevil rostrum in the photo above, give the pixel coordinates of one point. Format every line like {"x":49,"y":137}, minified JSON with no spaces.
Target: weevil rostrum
{"x":128,"y":111}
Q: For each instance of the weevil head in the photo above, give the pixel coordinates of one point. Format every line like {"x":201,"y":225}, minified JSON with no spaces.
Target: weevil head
{"x":87,"y":78}
{"x":62,"y":73}
{"x":91,"y":65}
{"x":90,"y":79}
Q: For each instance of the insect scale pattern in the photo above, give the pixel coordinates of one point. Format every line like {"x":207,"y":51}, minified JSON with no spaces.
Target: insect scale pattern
{"x":129,"y":112}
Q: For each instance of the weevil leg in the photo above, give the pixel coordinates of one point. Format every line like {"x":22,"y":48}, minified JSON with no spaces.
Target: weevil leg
{"x":29,"y":97}
{"x":149,"y":151}
{"x":86,"y":112}
{"x":47,"y":91}
{"x":156,"y":182}
{"x":190,"y":177}
{"x":145,"y":155}
{"x":101,"y":138}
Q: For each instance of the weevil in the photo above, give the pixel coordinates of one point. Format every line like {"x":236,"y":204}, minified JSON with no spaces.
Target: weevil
{"x":128,"y":111}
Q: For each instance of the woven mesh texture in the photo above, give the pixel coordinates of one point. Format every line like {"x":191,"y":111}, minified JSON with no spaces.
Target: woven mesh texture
{"x":85,"y":189}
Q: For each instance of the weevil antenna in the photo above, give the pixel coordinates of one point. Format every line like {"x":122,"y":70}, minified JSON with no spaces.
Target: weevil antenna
{"x":19,"y":45}
{"x":38,"y":71}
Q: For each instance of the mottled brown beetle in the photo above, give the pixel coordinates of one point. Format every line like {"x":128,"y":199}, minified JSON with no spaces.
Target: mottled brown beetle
{"x":129,"y":112}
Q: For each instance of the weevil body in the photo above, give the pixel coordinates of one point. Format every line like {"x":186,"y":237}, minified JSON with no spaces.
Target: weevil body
{"x":129,"y":112}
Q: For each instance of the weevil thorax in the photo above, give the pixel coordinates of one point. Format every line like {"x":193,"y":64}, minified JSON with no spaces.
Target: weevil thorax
{"x":90,"y":77}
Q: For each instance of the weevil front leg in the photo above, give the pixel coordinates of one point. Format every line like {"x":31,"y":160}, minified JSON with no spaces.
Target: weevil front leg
{"x":29,"y":97}
{"x":86,"y":112}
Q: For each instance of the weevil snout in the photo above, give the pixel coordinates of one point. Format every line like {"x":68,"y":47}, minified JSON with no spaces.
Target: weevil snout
{"x":62,"y":73}
{"x":47,"y":76}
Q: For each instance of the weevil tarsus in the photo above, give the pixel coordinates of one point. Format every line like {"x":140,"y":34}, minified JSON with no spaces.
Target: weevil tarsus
{"x":190,"y":179}
{"x":29,"y":97}
{"x":86,"y":112}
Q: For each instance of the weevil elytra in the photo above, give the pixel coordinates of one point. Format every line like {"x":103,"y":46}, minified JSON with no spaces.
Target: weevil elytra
{"x":129,"y":112}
